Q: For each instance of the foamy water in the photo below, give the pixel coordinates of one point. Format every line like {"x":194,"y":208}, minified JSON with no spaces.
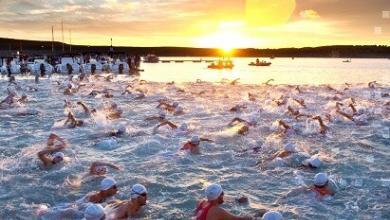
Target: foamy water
{"x":356,"y":156}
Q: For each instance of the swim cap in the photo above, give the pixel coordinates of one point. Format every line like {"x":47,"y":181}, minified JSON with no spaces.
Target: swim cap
{"x":94,"y":212}
{"x":175,"y":104}
{"x":59,"y":155}
{"x":161,"y":114}
{"x":179,"y":109}
{"x":272,"y":215}
{"x":289,"y":147}
{"x":107,"y":183}
{"x":313,"y":161}
{"x":320,"y":179}
{"x":183,"y":127}
{"x":213,"y":191}
{"x":137,"y":190}
{"x":253,"y":120}
{"x":195,"y":140}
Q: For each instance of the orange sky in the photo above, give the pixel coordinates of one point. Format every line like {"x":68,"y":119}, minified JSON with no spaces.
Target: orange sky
{"x":208,"y":23}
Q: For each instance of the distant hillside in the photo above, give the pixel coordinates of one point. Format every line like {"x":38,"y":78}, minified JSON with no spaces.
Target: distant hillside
{"x":9,"y":47}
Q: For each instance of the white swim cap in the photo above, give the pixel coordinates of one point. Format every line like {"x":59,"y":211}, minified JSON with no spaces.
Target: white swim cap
{"x":137,"y":190}
{"x":320,"y":179}
{"x":175,"y":104}
{"x":213,"y":191}
{"x":94,"y":212}
{"x":59,"y":155}
{"x":179,"y":109}
{"x":195,"y":140}
{"x":183,"y":127}
{"x":162,"y":114}
{"x":272,"y":215}
{"x":289,"y":147}
{"x":253,"y":120}
{"x":313,"y":161}
{"x":107,"y":183}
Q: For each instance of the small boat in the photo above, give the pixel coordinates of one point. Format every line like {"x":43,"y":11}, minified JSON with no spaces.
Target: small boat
{"x":261,"y":63}
{"x":197,"y":61}
{"x":221,"y":65}
{"x":347,"y":60}
{"x":151,"y":58}
{"x":179,"y":61}
{"x":165,"y":61}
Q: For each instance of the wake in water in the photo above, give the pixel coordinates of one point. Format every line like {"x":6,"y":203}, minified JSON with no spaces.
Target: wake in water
{"x":297,"y":151}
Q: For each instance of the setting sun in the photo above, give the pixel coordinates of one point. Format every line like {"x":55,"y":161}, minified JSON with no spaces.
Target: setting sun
{"x":229,"y":35}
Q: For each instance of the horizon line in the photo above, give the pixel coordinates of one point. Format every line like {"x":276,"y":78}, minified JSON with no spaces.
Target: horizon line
{"x":215,"y":48}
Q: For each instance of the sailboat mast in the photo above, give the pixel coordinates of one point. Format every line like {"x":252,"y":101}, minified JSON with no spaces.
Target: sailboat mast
{"x":63,"y":40}
{"x":52,"y":40}
{"x":70,"y":40}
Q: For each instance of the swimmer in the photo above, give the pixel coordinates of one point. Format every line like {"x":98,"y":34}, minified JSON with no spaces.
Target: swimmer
{"x":178,"y":111}
{"x":173,"y":126}
{"x":287,"y":128}
{"x":114,"y":112}
{"x":72,"y":121}
{"x":108,"y":188}
{"x":54,"y":150}
{"x":295,"y":113}
{"x":251,"y":122}
{"x":281,"y":101}
{"x":252,"y":97}
{"x":268,"y":82}
{"x":132,"y":207}
{"x":323,"y":127}
{"x":323,"y":186}
{"x":298,"y":89}
{"x":100,"y":168}
{"x":10,"y":99}
{"x":372,"y":84}
{"x":300,"y":102}
{"x":288,"y":150}
{"x":160,"y":118}
{"x":210,"y":209}
{"x":193,"y":144}
{"x":238,"y":108}
{"x":234,"y":82}
{"x":313,"y":162}
{"x":166,"y":106}
{"x":85,"y":107}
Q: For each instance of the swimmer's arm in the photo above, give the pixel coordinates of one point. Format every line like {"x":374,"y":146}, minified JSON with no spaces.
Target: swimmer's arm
{"x":205,"y":139}
{"x":85,"y":108}
{"x":186,"y":146}
{"x":173,"y":126}
{"x":42,"y":155}
{"x":236,"y":120}
{"x":297,"y":191}
{"x":152,"y":118}
{"x":95,"y":164}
